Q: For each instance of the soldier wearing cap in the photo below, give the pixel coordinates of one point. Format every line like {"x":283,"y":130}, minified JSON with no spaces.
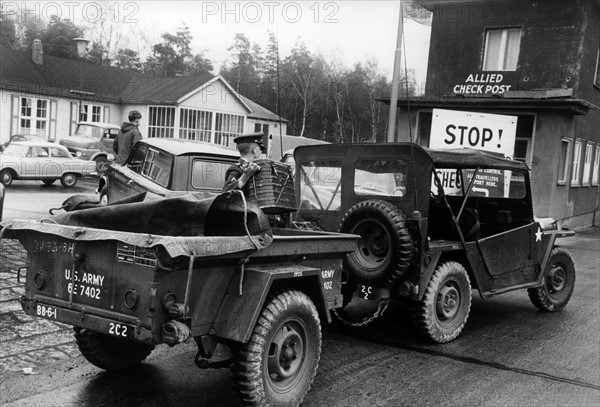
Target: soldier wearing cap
{"x":127,"y":137}
{"x":250,"y":147}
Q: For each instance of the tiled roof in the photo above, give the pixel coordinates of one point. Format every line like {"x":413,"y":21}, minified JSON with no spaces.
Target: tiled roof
{"x":148,"y":89}
{"x":57,"y":76}
{"x":259,"y":112}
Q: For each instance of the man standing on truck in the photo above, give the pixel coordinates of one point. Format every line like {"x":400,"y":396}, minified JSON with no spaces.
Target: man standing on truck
{"x":251,"y":148}
{"x":127,"y":137}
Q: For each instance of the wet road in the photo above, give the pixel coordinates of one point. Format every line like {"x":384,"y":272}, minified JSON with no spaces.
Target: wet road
{"x":509,"y":354}
{"x":32,"y":199}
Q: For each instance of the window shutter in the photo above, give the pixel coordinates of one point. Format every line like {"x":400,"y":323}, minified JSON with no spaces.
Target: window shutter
{"x":14,"y":122}
{"x":106,"y":118}
{"x":74,"y":113}
{"x":52,"y":116}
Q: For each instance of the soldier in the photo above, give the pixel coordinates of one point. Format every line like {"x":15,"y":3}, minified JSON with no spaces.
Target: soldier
{"x":251,"y":148}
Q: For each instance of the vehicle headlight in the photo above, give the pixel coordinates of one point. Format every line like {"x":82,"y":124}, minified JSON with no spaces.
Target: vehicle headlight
{"x":78,"y":154}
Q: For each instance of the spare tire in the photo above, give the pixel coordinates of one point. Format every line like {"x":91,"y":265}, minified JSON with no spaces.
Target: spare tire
{"x":386,"y":246}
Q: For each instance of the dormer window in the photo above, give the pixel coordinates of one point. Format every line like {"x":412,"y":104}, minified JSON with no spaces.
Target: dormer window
{"x":501,"y":51}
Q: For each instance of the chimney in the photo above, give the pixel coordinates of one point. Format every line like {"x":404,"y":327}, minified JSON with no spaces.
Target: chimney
{"x":37,"y":52}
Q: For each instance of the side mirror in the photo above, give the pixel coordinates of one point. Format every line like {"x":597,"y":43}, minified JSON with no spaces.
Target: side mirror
{"x":110,"y":157}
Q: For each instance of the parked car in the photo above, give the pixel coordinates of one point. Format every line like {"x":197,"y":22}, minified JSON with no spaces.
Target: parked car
{"x":92,"y":141}
{"x":21,"y":137}
{"x":48,"y":162}
{"x":168,"y":167}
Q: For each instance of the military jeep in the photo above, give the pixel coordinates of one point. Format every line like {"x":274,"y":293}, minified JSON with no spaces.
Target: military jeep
{"x":434,"y":224}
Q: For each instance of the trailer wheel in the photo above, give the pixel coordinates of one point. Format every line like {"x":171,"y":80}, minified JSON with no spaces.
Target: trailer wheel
{"x":385,"y":249}
{"x":559,"y":282}
{"x":442,"y":313}
{"x":48,"y":181}
{"x":277,"y":366}
{"x":108,"y":352}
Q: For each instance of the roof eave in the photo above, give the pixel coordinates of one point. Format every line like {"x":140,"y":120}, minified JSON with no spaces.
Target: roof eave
{"x":574,"y":106}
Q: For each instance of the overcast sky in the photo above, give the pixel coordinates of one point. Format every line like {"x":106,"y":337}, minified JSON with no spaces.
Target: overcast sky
{"x":342,"y":31}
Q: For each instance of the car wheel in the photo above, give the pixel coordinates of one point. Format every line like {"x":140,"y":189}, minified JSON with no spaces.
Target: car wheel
{"x":108,"y":352}
{"x":68,"y":180}
{"x":48,"y":181}
{"x":442,"y":313}
{"x":276,"y":367}
{"x":6,"y":177}
{"x":558,"y":282}
{"x":385,"y":248}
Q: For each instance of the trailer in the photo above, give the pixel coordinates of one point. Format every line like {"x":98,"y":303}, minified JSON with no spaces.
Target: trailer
{"x":224,"y":277}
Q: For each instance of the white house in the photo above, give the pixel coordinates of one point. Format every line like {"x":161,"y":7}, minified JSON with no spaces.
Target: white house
{"x":41,"y":95}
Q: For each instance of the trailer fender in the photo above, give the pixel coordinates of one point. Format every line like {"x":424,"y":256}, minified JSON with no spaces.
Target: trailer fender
{"x":238,"y":313}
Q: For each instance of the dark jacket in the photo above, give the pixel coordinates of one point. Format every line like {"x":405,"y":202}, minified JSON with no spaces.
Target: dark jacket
{"x":126,"y":139}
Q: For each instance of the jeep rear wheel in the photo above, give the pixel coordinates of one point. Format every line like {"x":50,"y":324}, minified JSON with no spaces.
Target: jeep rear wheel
{"x":558,"y":282}
{"x":277,"y":366}
{"x":108,"y":352}
{"x":385,"y":248}
{"x":442,"y":313}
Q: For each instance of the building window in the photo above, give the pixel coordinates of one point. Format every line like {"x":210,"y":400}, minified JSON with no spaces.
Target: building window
{"x":575,"y":170}
{"x":227,"y":127}
{"x":587,"y":164}
{"x":565,"y":151}
{"x":195,"y":124}
{"x":161,"y":122}
{"x":90,"y":113}
{"x":502,"y":49}
{"x":596,"y":168}
{"x":33,"y":116}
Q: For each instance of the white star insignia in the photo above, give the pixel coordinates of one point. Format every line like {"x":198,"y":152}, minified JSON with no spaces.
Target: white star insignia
{"x":538,"y":235}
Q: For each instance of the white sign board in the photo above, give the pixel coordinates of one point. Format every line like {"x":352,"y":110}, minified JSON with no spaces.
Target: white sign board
{"x":480,"y":131}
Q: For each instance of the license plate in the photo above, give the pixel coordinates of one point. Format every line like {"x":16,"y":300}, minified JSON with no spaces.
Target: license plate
{"x":120,"y":330}
{"x":366,"y":292}
{"x":46,"y":311}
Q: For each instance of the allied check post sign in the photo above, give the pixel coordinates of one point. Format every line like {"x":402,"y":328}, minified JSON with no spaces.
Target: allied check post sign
{"x":480,"y":131}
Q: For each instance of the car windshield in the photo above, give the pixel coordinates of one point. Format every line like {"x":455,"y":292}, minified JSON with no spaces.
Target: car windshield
{"x":16,"y":150}
{"x":86,"y":130}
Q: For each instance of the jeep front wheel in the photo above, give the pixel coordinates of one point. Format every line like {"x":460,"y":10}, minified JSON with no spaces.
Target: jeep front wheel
{"x":442,"y":313}
{"x":108,"y":352}
{"x":558,"y":282}
{"x":385,"y":247}
{"x":277,"y":366}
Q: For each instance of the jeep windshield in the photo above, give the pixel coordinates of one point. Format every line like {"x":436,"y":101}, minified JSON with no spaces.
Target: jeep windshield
{"x":86,"y":130}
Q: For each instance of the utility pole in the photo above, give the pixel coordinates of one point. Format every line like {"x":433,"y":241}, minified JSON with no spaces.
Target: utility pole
{"x":395,"y":79}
